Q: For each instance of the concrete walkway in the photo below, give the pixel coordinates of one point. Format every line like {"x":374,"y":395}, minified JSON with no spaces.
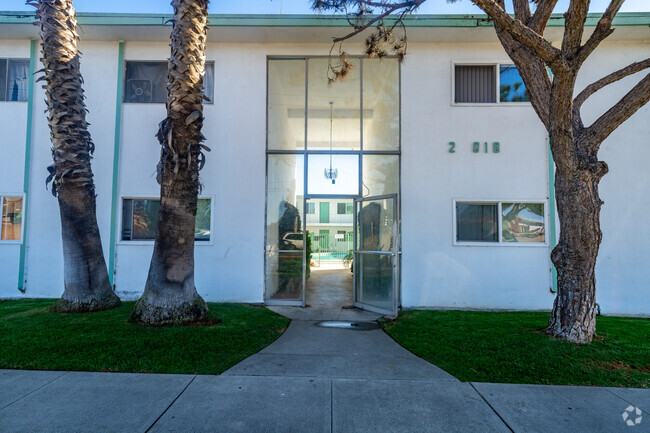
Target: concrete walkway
{"x":310,"y":380}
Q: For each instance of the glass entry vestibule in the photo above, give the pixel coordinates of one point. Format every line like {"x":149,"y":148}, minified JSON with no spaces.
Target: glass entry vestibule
{"x":333,"y":141}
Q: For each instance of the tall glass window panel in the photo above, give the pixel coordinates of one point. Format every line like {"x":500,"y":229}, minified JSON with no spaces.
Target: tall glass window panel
{"x":3,"y":79}
{"x":12,"y":218}
{"x":284,"y":223}
{"x":145,"y":82}
{"x":522,"y":222}
{"x":345,"y":110}
{"x":512,"y":87}
{"x":380,"y":175}
{"x":18,"y":80}
{"x":380,"y":104}
{"x":347,"y":177}
{"x":476,"y":222}
{"x":286,"y":104}
{"x":375,"y":225}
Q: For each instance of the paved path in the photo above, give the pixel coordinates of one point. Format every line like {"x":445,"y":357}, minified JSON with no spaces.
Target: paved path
{"x":310,"y":380}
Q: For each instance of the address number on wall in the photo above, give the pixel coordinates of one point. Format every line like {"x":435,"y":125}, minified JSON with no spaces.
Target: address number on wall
{"x":478,"y":147}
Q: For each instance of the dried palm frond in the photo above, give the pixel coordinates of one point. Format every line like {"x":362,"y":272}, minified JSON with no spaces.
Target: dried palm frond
{"x":72,"y":147}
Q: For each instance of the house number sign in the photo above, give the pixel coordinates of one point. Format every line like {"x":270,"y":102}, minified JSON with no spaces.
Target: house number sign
{"x":478,"y":147}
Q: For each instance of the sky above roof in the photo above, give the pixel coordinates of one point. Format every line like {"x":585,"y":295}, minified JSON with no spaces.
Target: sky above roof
{"x":291,"y":6}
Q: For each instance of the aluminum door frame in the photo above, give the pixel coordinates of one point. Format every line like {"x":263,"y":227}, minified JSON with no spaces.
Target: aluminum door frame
{"x":395,"y":253}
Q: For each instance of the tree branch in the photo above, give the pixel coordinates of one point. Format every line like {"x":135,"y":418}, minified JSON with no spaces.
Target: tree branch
{"x":619,"y":113}
{"x":607,"y":80}
{"x":602,"y":30}
{"x":574,"y":27}
{"x":387,"y":10}
{"x":541,"y":16}
{"x":522,"y":10}
{"x":519,"y":31}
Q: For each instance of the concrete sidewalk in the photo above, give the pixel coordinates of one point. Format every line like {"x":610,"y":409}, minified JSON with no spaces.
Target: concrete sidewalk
{"x":310,"y":380}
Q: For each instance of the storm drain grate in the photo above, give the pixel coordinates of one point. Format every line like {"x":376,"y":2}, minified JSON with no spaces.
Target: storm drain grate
{"x":357,"y":326}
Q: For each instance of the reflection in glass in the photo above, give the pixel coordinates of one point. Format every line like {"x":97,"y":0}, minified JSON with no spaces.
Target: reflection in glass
{"x":346,"y":98}
{"x":522,"y":222}
{"x":286,"y":109}
{"x":512,"y":87}
{"x":476,"y":222}
{"x":375,"y":280}
{"x":140,"y":219}
{"x":202,"y":224}
{"x":381,"y":104}
{"x":375,"y":222}
{"x":284,"y":236}
{"x":145,"y":219}
{"x":347,"y":181}
{"x":12,"y":218}
{"x":380,"y":175}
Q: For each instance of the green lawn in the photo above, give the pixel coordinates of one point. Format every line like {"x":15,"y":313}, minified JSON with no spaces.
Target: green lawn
{"x":510,"y":348}
{"x":33,"y":338}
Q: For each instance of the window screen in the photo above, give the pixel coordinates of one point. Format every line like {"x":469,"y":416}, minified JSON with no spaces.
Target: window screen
{"x":475,"y":83}
{"x":14,"y":79}
{"x":340,"y":208}
{"x":146,"y":82}
{"x":140,"y":219}
{"x":476,"y":222}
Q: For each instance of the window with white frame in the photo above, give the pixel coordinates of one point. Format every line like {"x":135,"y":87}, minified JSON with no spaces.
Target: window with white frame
{"x":14,"y":79}
{"x":344,"y":208}
{"x":488,"y":84}
{"x":500,"y":222}
{"x":146,"y":82}
{"x":12,"y":218}
{"x":140,"y":219}
{"x":311,"y":208}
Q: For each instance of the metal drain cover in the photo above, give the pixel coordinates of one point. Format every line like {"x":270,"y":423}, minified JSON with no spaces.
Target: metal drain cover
{"x":357,"y":326}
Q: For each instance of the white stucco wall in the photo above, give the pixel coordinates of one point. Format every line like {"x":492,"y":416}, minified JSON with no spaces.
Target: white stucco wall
{"x":435,"y":272}
{"x":13,"y":117}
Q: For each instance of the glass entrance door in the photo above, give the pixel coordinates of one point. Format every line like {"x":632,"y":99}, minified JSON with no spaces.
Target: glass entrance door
{"x":376,"y":251}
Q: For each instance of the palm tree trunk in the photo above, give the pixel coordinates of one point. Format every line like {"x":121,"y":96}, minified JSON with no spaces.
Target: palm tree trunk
{"x":87,"y":286}
{"x":170,"y":296}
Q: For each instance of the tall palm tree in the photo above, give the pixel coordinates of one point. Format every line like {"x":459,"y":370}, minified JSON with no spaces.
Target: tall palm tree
{"x":87,"y":287}
{"x":170,"y":296}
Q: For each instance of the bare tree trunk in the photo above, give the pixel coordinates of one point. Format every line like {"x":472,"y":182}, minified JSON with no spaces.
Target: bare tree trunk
{"x":87,"y":286}
{"x":170,"y":296}
{"x":574,"y":310}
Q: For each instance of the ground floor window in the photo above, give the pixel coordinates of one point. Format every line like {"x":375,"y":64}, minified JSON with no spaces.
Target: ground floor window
{"x":12,"y":218}
{"x":140,"y":219}
{"x":500,"y":222}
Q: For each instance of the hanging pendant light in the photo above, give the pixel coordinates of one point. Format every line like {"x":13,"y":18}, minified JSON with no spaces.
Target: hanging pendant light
{"x":331,"y":173}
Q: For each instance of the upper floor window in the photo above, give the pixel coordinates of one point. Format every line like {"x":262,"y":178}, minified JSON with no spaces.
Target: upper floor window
{"x":146,"y":82}
{"x":14,"y":79}
{"x":344,"y":208}
{"x":12,"y":218}
{"x":488,"y":84}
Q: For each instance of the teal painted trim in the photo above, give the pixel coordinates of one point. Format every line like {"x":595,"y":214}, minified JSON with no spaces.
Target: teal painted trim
{"x":315,"y":20}
{"x":28,"y":159}
{"x":551,"y":204}
{"x":116,"y":161}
